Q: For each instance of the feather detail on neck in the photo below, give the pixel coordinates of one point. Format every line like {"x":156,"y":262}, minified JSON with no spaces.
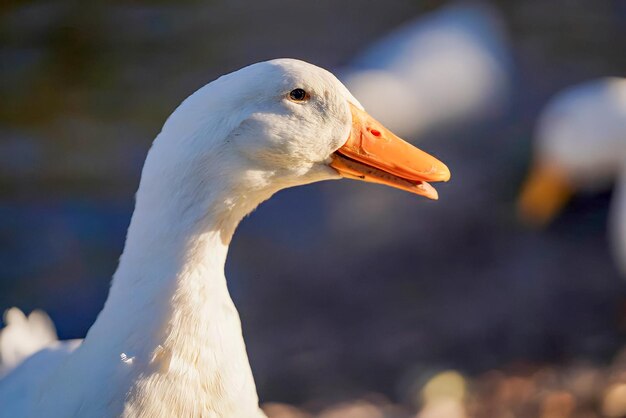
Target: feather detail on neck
{"x":169,"y":330}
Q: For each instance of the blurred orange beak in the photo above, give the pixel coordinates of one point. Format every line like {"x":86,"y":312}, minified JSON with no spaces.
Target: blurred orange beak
{"x":544,"y":194}
{"x":373,"y":154}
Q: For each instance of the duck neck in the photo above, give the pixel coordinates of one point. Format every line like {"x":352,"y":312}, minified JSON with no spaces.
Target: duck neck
{"x":175,"y":326}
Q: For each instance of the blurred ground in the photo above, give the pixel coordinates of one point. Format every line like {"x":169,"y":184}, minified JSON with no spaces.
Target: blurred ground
{"x":343,"y":290}
{"x":576,"y":390}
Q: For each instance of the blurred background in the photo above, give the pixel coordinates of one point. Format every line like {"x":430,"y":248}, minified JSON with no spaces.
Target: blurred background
{"x":356,"y":300}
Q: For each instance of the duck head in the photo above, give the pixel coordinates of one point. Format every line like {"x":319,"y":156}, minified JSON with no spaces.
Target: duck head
{"x":278,"y":124}
{"x":580,"y":145}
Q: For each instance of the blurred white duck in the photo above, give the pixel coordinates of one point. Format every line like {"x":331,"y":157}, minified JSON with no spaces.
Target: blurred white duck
{"x":22,"y":336}
{"x":580,"y":144}
{"x":168,"y":342}
{"x":447,"y":67}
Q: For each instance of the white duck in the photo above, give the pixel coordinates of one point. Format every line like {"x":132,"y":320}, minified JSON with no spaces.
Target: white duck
{"x":580,"y":144}
{"x":455,"y":62}
{"x":168,"y":341}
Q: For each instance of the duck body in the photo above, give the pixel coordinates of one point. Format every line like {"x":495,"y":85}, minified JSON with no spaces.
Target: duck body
{"x":168,"y":342}
{"x":580,"y":145}
{"x":126,"y":365}
{"x":16,"y":389}
{"x":422,"y":57}
{"x":583,"y":131}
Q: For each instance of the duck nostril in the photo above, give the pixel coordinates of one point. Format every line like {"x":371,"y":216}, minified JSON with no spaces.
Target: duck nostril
{"x":374,"y":132}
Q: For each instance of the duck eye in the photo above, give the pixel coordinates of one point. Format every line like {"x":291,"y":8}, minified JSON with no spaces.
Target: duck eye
{"x":298,"y":95}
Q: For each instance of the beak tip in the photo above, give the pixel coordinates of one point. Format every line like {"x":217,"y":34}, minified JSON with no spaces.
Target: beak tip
{"x":442,"y":172}
{"x":444,"y":176}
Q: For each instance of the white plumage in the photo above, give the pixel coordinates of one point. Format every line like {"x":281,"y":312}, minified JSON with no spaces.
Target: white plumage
{"x":580,"y":144}
{"x":22,"y":336}
{"x":450,"y":66}
{"x":168,"y":341}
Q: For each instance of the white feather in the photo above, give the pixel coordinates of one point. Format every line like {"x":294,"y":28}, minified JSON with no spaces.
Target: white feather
{"x":450,"y":66}
{"x":168,"y":341}
{"x":23,"y":336}
{"x":582,"y":132}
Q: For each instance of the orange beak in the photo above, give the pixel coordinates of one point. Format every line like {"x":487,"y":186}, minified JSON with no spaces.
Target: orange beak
{"x":544,"y":194}
{"x":373,"y":154}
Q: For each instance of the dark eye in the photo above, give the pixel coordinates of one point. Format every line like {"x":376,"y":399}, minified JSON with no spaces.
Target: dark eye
{"x":298,"y":95}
